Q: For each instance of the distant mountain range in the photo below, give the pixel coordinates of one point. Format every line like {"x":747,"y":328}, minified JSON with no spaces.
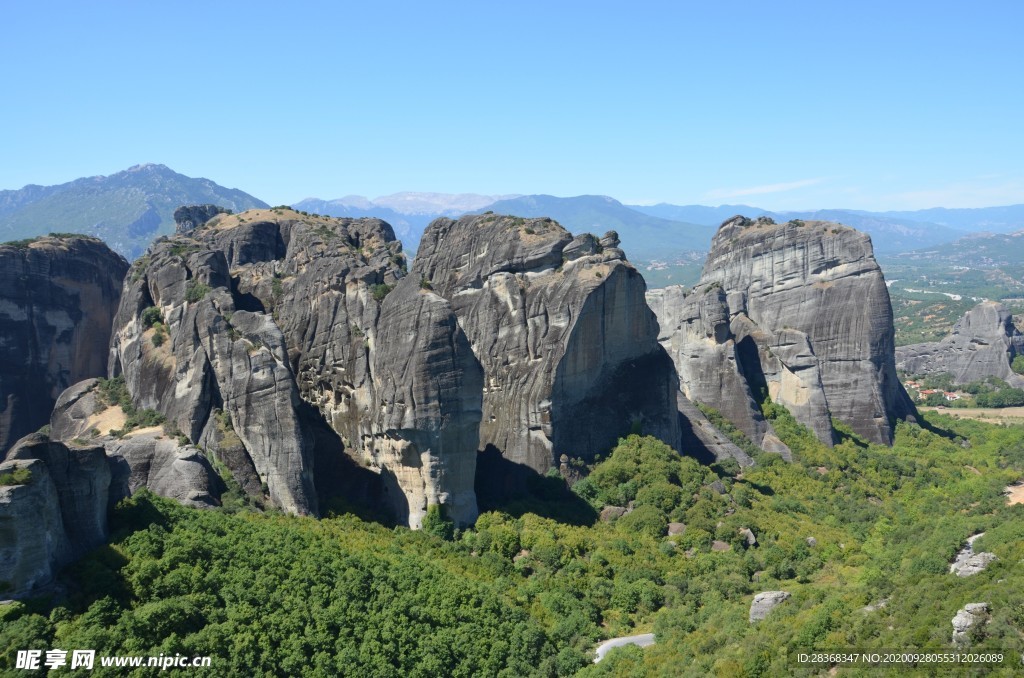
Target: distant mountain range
{"x":408,"y":213}
{"x":890,"y":231}
{"x":127,"y":210}
{"x":644,"y":237}
{"x":130,"y":208}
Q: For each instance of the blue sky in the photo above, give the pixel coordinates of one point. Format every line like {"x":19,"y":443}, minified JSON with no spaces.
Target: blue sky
{"x":785,"y":105}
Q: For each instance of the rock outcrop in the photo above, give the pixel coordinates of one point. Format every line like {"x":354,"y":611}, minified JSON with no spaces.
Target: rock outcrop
{"x":58,"y":295}
{"x":54,"y":512}
{"x":429,"y":392}
{"x":967,"y":617}
{"x":982,"y":344}
{"x":765,"y":602}
{"x":967,"y":562}
{"x":224,"y":329}
{"x":797,"y":312}
{"x":188,"y":218}
{"x":281,"y":342}
{"x":568,"y":346}
{"x":33,"y":541}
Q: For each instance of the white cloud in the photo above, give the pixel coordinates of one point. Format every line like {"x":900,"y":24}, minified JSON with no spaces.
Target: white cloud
{"x":726,"y":193}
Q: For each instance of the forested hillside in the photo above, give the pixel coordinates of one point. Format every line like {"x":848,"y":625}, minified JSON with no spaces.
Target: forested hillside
{"x":840,"y":529}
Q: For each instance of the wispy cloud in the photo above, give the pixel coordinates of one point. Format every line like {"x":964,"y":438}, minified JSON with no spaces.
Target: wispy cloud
{"x":725,"y":193}
{"x":982,"y":191}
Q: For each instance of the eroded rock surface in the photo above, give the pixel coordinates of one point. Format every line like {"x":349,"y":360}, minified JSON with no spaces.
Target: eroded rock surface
{"x":55,"y":514}
{"x":560,"y":326}
{"x":428,"y":398}
{"x":765,"y":602}
{"x":58,"y":295}
{"x":797,"y":312}
{"x":967,"y":617}
{"x":982,"y":344}
{"x":253,"y":313}
{"x":291,"y":340}
{"x":967,"y":562}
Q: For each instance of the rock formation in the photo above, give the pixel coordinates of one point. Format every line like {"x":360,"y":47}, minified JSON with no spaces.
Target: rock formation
{"x":559,"y":324}
{"x":982,"y":344}
{"x":190,"y":217}
{"x":765,"y":602}
{"x":138,"y":458}
{"x":54,"y":513}
{"x":967,"y":562}
{"x":58,"y":295}
{"x":797,"y":312}
{"x":967,"y":617}
{"x":429,"y":391}
{"x":200,"y":336}
{"x":280,"y":342}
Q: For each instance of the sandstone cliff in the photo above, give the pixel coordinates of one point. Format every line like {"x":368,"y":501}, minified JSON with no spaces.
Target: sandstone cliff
{"x":797,"y":312}
{"x":250,"y":332}
{"x":559,"y":324}
{"x":58,"y":295}
{"x":982,"y":344}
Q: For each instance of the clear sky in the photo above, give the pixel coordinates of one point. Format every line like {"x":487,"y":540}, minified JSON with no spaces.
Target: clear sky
{"x":784,"y":105}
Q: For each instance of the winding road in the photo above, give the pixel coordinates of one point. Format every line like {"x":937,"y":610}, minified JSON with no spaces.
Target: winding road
{"x":642,"y":640}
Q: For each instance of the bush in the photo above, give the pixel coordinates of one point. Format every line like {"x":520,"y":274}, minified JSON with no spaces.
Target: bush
{"x":151,"y":316}
{"x":195,"y":291}
{"x":437,"y":523}
{"x":380,"y":291}
{"x":20,"y":476}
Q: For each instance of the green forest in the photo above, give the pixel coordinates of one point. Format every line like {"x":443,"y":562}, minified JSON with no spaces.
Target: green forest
{"x":861,"y":536}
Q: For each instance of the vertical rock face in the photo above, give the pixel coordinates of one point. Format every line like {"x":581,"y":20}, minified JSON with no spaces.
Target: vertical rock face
{"x":798,"y":312}
{"x":982,"y":344}
{"x":58,"y":295}
{"x":560,"y":326}
{"x":428,"y":404}
{"x":33,"y":542}
{"x":54,"y":513}
{"x":249,"y":331}
{"x":214,"y":355}
{"x":190,"y":217}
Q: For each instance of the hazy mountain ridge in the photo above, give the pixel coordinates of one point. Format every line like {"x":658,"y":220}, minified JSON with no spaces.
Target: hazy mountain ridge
{"x":644,"y":237}
{"x":127,"y":209}
{"x":408,"y":227}
{"x":890,"y":232}
{"x":1003,"y":219}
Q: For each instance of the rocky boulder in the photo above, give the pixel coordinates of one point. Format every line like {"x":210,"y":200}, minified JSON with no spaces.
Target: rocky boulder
{"x":165,"y":467}
{"x":797,"y":312}
{"x":982,"y":344}
{"x":34,"y":544}
{"x":967,"y":562}
{"x":765,"y":602}
{"x":58,"y":296}
{"x":968,"y":617}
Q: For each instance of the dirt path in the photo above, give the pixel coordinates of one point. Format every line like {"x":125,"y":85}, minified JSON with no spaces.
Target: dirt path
{"x":1015,"y":494}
